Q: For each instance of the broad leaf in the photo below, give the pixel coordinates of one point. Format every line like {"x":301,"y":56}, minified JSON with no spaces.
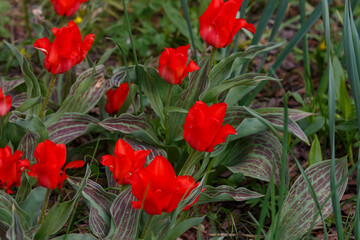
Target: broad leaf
{"x":182,"y":227}
{"x":8,"y":85}
{"x":100,"y":203}
{"x":256,"y":156}
{"x":299,"y":208}
{"x":226,"y":193}
{"x":32,"y":205}
{"x":15,"y":231}
{"x":124,"y":216}
{"x":75,"y":236}
{"x":143,"y":146}
{"x":28,"y":145}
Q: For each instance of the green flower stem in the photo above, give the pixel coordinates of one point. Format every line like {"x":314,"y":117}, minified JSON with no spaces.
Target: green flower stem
{"x":47,"y":95}
{"x":27,"y":19}
{"x":212,"y":56}
{"x":167,"y":132}
{"x":44,"y":206}
{"x":147,"y":227}
{"x":188,"y":164}
{"x":208,"y":167}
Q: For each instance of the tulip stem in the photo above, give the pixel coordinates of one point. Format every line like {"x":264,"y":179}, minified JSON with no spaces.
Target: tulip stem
{"x":167,"y":132}
{"x":44,"y":206}
{"x":188,"y":164}
{"x":147,"y":227}
{"x":48,"y":93}
{"x":212,"y":56}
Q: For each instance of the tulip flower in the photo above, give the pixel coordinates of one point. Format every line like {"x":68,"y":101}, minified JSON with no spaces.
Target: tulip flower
{"x":203,"y":128}
{"x":67,"y":50}
{"x":125,"y":161}
{"x":218,"y":24}
{"x":158,"y":189}
{"x":66,"y":7}
{"x":173,"y":66}
{"x":51,"y":158}
{"x":116,"y":98}
{"x":5,"y":103}
{"x":11,"y":168}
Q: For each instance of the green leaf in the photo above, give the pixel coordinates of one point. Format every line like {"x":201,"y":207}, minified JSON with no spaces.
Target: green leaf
{"x":124,"y":216}
{"x":182,"y":227}
{"x":75,"y":236}
{"x":315,"y":155}
{"x":8,"y":85}
{"x":256,"y":156}
{"x":226,"y":193}
{"x":100,"y":203}
{"x":15,"y":231}
{"x":32,"y":84}
{"x":32,"y":205}
{"x":29,"y":103}
{"x":299,"y":208}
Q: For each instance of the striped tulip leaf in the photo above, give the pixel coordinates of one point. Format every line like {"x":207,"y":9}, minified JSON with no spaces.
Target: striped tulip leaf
{"x":28,"y":145}
{"x":256,"y":156}
{"x":155,"y":151}
{"x":100,"y":203}
{"x":15,"y":231}
{"x":75,"y":236}
{"x":299,"y":210}
{"x":135,"y":126}
{"x":120,"y":75}
{"x":89,"y":87}
{"x":18,"y":100}
{"x":226,"y":193}
{"x":8,"y":85}
{"x":69,"y":127}
{"x":124,"y":216}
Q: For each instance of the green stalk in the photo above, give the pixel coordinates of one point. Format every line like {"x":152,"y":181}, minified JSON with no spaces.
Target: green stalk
{"x":167,"y":132}
{"x":184,"y":6}
{"x":48,"y":93}
{"x":26,"y":11}
{"x":44,"y":206}
{"x":188,"y":164}
{"x":207,"y":157}
{"x":212,"y":56}
{"x":134,"y":53}
{"x":147,"y":227}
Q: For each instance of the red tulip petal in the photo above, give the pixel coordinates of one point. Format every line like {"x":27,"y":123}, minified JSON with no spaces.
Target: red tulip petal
{"x":140,"y":158}
{"x":250,"y":27}
{"x":183,"y":49}
{"x":74,"y":164}
{"x":43,"y":44}
{"x":221,"y":136}
{"x":47,"y":178}
{"x":5,"y":105}
{"x":86,"y":45}
{"x":192,"y":66}
{"x":108,"y":160}
{"x":161,"y":173}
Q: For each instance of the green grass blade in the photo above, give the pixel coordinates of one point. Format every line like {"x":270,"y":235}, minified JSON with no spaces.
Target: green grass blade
{"x":185,"y":8}
{"x":331,"y":102}
{"x":242,"y":14}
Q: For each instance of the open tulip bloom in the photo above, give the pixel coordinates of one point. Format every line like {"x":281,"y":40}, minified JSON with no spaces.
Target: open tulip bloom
{"x":173,"y":65}
{"x":67,"y":49}
{"x":5,"y":104}
{"x":218,"y":24}
{"x":11,"y":168}
{"x":51,"y":158}
{"x":66,"y":7}
{"x":125,"y":161}
{"x":158,"y":189}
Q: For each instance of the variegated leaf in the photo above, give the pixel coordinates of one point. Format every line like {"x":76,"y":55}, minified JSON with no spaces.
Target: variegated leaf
{"x":100,"y":203}
{"x":256,"y":156}
{"x":135,"y":126}
{"x":75,"y":236}
{"x":8,"y":85}
{"x":87,"y":90}
{"x":124,"y":216}
{"x":15,"y":231}
{"x":69,"y":127}
{"x":293,"y":114}
{"x":18,"y":100}
{"x":28,"y":145}
{"x":226,"y":193}
{"x":143,"y":146}
{"x":120,"y":76}
{"x":299,"y":208}
{"x":4,"y":226}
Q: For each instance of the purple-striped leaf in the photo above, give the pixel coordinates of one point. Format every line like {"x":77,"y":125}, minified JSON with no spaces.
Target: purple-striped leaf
{"x":100,"y":203}
{"x":15,"y":231}
{"x":226,"y":193}
{"x":8,"y":85}
{"x":18,"y":100}
{"x":257,"y":156}
{"x":120,"y":75}
{"x":6,"y":208}
{"x":155,"y":151}
{"x":135,"y":126}
{"x":69,"y":127}
{"x":293,"y":114}
{"x":299,"y":208}
{"x":28,"y":145}
{"x":87,"y":90}
{"x":124,"y":216}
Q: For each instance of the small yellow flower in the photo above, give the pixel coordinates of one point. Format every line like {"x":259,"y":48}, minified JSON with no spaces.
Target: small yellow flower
{"x":23,"y":52}
{"x":322,"y":45}
{"x":78,"y":20}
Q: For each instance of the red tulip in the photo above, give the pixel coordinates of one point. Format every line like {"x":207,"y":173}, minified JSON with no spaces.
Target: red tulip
{"x":51,"y":158}
{"x":158,"y":189}
{"x":11,"y":167}
{"x":116,"y":98}
{"x":66,"y":7}
{"x":67,"y":50}
{"x":173,"y":67}
{"x":5,"y":103}
{"x":218,"y":24}
{"x":125,"y":161}
{"x":203,"y":128}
